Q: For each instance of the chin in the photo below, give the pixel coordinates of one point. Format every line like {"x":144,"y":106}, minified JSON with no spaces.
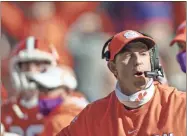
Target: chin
{"x":140,"y":84}
{"x":139,"y":88}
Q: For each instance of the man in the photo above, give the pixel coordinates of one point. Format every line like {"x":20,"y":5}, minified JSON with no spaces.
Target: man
{"x":138,"y":106}
{"x":22,"y":115}
{"x":31,"y":67}
{"x":57,"y":98}
{"x":180,"y":39}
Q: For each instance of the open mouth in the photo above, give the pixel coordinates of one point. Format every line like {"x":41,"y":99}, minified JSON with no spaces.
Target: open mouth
{"x":138,"y":73}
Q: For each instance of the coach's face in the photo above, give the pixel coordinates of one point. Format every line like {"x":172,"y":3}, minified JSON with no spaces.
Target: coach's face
{"x":129,"y":67}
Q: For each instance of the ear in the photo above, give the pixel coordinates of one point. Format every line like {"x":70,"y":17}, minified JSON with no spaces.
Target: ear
{"x":112,"y":66}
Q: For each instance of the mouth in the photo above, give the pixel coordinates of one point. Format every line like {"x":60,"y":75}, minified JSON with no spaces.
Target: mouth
{"x":138,"y":74}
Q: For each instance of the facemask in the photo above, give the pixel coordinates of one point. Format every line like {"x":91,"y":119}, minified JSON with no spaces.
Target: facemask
{"x":181,"y":58}
{"x":54,"y":77}
{"x":138,"y":99}
{"x":47,"y":105}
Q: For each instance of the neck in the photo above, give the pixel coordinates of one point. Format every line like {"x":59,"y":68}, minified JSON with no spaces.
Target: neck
{"x":137,"y":99}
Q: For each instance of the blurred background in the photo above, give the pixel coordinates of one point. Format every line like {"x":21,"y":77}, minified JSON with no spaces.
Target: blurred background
{"x":79,"y":30}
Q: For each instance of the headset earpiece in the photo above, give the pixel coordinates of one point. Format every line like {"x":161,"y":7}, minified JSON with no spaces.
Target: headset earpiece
{"x":106,"y":55}
{"x":155,"y":58}
{"x":155,"y":64}
{"x":152,"y":60}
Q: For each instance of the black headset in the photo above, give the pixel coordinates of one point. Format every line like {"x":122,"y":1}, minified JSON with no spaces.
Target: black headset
{"x":155,"y":65}
{"x":106,"y":54}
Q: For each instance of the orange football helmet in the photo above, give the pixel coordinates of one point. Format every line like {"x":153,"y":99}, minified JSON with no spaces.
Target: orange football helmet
{"x":180,"y":34}
{"x":31,"y":49}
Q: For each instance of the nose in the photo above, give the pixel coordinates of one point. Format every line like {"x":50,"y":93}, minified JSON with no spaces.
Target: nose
{"x":137,"y":59}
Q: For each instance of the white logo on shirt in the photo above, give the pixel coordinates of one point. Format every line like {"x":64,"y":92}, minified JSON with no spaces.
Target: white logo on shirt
{"x":130,"y":132}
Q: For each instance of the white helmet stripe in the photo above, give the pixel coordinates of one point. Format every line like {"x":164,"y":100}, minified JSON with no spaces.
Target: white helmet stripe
{"x":30,"y":43}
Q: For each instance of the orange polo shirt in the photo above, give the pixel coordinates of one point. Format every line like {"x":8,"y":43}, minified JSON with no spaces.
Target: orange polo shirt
{"x":164,"y":114}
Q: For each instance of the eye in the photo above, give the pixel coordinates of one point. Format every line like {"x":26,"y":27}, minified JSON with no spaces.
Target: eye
{"x":44,"y":67}
{"x":128,"y":54}
{"x":143,"y":53}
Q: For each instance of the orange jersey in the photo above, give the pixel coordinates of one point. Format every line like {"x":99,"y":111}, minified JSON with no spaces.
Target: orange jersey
{"x":163,"y":115}
{"x":31,"y":124}
{"x":63,"y":115}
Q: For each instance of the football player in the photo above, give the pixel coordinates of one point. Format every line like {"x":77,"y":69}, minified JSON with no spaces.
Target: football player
{"x":180,"y":40}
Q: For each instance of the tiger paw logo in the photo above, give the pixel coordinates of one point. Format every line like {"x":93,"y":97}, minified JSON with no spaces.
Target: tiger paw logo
{"x":141,"y":96}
